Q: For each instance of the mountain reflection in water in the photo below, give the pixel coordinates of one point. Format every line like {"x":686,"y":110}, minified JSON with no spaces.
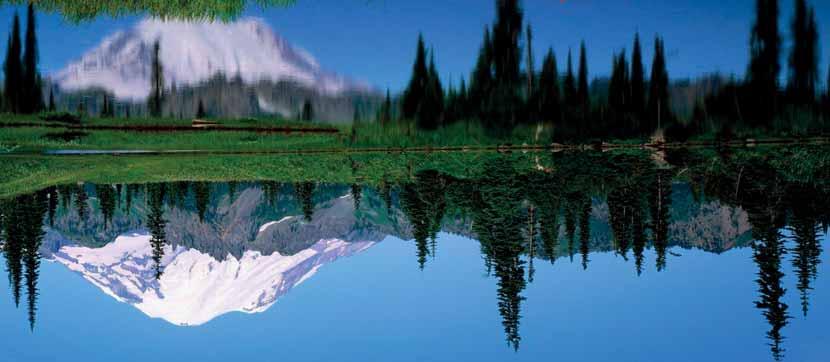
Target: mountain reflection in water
{"x":188,"y":252}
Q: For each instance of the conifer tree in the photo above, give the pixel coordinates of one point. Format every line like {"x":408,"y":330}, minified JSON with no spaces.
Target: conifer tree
{"x":307,"y":113}
{"x":618,"y":88}
{"x":505,"y":102}
{"x":13,"y":70}
{"x":803,"y":60}
{"x":200,"y":110}
{"x":638,"y":84}
{"x":51,"y":100}
{"x":463,"y":100}
{"x":416,"y":90}
{"x":582,"y":91}
{"x":506,"y":32}
{"x":531,"y":67}
{"x":764,"y":66}
{"x":32,"y":98}
{"x":156,"y":83}
{"x":549,"y":97}
{"x":481,"y":81}
{"x":570,"y":85}
{"x":432,"y":106}
{"x":107,"y":111}
{"x":659,"y":110}
{"x":386,"y":109}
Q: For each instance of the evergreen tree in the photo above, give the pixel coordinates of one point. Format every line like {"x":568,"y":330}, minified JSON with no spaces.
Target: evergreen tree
{"x":506,"y":52}
{"x":106,"y":197}
{"x":570,"y":86}
{"x":202,"y":197}
{"x":81,"y":199}
{"x":106,"y":110}
{"x":659,"y":108}
{"x":32,"y":98}
{"x":531,"y":93}
{"x":638,"y":84}
{"x":764,"y":66}
{"x":504,"y":102}
{"x":432,"y":105}
{"x":618,"y":87}
{"x":416,"y":90}
{"x":386,"y":110}
{"x":13,"y":70}
{"x":51,"y":100}
{"x":357,"y":195}
{"x":200,"y":110}
{"x":307,"y":113}
{"x":157,"y":224}
{"x":481,"y":82}
{"x":803,"y":59}
{"x":549,"y":97}
{"x":304,"y":193}
{"x":582,"y":91}
{"x":156,"y":83}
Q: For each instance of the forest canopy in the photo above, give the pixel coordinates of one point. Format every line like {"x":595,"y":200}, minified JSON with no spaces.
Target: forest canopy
{"x":74,"y":10}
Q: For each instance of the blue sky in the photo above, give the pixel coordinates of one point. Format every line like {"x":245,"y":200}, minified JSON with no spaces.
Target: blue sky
{"x":374,"y":40}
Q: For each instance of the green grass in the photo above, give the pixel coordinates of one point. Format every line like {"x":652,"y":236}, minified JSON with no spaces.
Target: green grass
{"x":27,"y":173}
{"x":37,"y":138}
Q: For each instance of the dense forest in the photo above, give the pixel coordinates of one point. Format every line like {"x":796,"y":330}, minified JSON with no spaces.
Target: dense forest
{"x":506,"y":89}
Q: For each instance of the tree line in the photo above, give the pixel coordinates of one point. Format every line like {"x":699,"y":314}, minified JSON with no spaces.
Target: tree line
{"x":22,"y":92}
{"x":504,"y":91}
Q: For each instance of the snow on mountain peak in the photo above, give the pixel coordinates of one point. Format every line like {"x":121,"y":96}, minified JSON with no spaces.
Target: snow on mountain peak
{"x":195,"y":51}
{"x":196,"y":288}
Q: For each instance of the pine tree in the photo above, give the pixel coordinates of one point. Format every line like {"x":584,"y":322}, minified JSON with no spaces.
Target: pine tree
{"x":156,"y":83}
{"x":803,"y":60}
{"x":506,"y":32}
{"x":51,"y":100}
{"x":531,"y":69}
{"x":505,"y":102}
{"x":618,"y":87}
{"x":414,"y":94}
{"x":582,"y":91}
{"x":659,"y":111}
{"x":386,"y":109}
{"x":307,"y":114}
{"x":13,"y":70}
{"x":481,"y":82}
{"x":764,"y":66}
{"x":432,"y":106}
{"x":549,"y":98}
{"x":638,"y":84}
{"x":570,"y":85}
{"x":107,"y":110}
{"x":200,"y":110}
{"x":32,"y":99}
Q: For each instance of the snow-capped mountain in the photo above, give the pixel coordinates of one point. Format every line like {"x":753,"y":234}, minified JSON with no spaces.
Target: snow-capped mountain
{"x":193,"y":52}
{"x":195,"y":287}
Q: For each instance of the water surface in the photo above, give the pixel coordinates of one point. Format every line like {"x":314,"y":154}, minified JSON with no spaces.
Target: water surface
{"x":627,"y":258}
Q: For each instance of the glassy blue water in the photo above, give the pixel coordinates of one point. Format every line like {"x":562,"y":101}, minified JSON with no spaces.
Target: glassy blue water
{"x":378,"y":305}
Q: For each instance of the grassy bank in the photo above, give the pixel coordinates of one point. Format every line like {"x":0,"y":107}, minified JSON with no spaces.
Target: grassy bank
{"x":32,"y":134}
{"x":27,"y":173}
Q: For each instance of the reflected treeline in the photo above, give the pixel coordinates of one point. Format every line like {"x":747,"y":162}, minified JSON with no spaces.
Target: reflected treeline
{"x":22,"y":219}
{"x":578,"y":204}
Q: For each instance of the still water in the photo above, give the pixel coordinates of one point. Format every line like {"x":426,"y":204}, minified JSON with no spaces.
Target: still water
{"x":624,"y":260}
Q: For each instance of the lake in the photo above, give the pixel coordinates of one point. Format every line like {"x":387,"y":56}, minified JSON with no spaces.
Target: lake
{"x":630,"y":255}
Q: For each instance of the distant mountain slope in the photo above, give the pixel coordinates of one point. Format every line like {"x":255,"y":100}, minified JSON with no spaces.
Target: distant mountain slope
{"x":194,"y":52}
